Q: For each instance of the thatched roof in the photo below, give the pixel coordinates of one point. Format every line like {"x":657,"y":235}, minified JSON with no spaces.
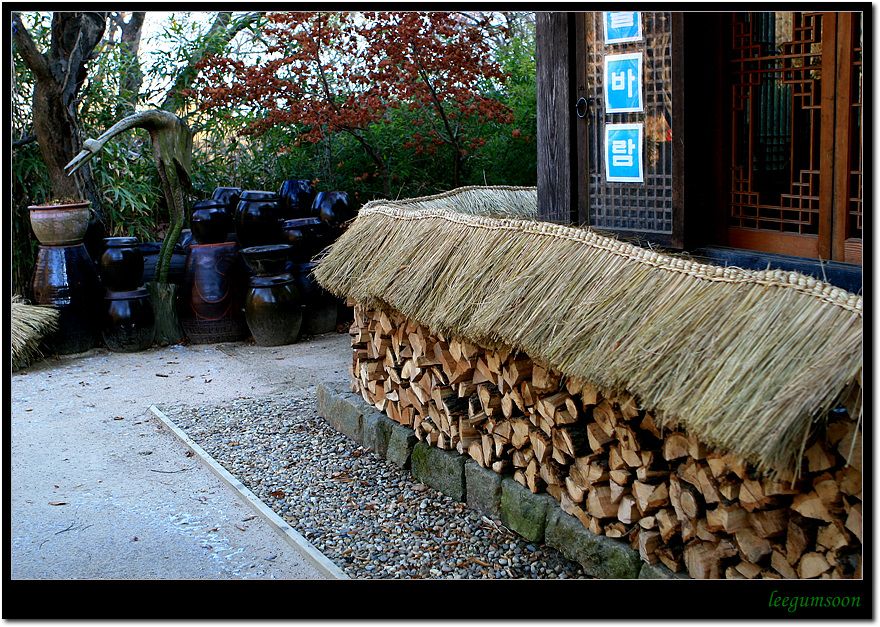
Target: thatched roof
{"x":748,"y":361}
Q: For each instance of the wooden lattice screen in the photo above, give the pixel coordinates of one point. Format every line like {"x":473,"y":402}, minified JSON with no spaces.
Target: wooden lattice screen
{"x":643,"y":207}
{"x":796,"y":100}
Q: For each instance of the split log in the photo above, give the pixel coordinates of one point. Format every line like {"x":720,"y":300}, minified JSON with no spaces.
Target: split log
{"x":650,"y":497}
{"x":770,"y":523}
{"x":751,"y":546}
{"x":702,"y":560}
{"x":728,"y":518}
{"x":812,"y":565}
{"x":628,"y":510}
{"x":599,"y":503}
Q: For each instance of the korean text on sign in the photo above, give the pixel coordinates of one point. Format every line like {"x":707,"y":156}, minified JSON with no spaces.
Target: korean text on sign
{"x":622,"y":26}
{"x":623,"y":83}
{"x":623,"y":153}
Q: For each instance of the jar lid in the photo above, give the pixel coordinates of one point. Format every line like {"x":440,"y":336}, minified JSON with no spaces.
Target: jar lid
{"x":120,"y":241}
{"x":140,"y":292}
{"x":271,"y":281}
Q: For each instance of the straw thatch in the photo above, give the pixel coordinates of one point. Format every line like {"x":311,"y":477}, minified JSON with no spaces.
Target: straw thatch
{"x":30,"y":325}
{"x":748,"y":361}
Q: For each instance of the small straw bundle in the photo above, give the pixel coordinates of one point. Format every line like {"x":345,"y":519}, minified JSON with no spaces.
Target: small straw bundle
{"x":747,"y":361}
{"x":30,"y":324}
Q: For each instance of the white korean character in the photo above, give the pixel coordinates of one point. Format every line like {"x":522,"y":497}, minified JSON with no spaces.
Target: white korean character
{"x":622,"y":152}
{"x":621,"y":19}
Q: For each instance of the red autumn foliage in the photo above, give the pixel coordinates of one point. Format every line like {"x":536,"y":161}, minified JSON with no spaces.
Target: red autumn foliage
{"x":331,"y":72}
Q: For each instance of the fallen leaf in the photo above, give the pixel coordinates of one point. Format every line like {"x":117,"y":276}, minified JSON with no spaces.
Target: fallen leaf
{"x":57,"y":502}
{"x":118,"y":418}
{"x":277,"y":494}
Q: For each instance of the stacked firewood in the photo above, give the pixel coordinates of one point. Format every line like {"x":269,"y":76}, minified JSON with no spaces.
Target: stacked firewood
{"x":605,"y":459}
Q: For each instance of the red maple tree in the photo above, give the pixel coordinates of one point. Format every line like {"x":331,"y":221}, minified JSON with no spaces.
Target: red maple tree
{"x":330,"y":72}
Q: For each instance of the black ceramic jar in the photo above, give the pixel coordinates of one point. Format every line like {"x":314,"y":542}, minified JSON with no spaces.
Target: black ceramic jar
{"x":258,"y":219}
{"x":129,"y":323}
{"x":122,"y":264}
{"x":210,"y":221}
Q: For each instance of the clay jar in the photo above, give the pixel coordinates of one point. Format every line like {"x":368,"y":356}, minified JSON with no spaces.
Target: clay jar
{"x":211,"y":299}
{"x":321,"y":307}
{"x":274,"y":309}
{"x":332,"y":208}
{"x":60,"y":225}
{"x":297,"y":196}
{"x":129,"y":323}
{"x":122,"y":264}
{"x":65,"y":278}
{"x":258,"y":219}
{"x":267,"y":260}
{"x":228,"y":196}
{"x":210,"y":221}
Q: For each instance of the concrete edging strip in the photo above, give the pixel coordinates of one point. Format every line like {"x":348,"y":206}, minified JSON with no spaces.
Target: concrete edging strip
{"x":317,"y":559}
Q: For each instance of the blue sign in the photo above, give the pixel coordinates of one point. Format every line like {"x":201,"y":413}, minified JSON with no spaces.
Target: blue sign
{"x":623,"y":153}
{"x":622,"y":26}
{"x":623,"y":83}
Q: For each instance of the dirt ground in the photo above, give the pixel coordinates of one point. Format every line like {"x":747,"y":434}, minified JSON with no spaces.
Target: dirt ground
{"x":100,"y":490}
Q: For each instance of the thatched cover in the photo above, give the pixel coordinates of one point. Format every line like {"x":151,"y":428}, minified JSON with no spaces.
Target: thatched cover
{"x":747,"y":361}
{"x":29,"y":325}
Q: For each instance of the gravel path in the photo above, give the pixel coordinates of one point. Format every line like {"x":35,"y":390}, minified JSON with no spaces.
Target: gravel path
{"x":369,"y":517}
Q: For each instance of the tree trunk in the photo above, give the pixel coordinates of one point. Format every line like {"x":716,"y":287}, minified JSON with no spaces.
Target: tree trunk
{"x":132,"y":77}
{"x":59,"y":74}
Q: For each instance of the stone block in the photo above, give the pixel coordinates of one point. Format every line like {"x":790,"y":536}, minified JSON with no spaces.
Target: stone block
{"x":401,"y":442}
{"x":523,"y":512}
{"x":600,"y":556}
{"x":442,"y":470}
{"x":659,"y":571}
{"x":483,"y":489}
{"x":344,"y":412}
{"x":377,"y":431}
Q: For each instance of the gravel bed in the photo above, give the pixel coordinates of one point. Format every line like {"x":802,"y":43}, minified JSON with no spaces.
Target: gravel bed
{"x":369,"y":517}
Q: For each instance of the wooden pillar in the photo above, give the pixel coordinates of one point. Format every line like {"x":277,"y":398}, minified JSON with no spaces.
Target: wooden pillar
{"x":556,"y":183}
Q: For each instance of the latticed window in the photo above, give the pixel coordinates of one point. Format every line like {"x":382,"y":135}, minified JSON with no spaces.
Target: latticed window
{"x":646,"y":207}
{"x":795,"y":105}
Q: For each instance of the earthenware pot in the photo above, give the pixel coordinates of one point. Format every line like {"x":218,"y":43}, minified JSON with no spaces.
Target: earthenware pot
{"x":297,"y":196}
{"x":321,"y":307}
{"x":60,"y":225}
{"x":228,"y":196}
{"x":66,"y":278}
{"x":129,"y":323}
{"x":210,"y":221}
{"x":332,"y":208}
{"x":267,"y":260}
{"x":210,"y":302}
{"x":273,"y":309}
{"x":122,"y":264}
{"x":258,"y":219}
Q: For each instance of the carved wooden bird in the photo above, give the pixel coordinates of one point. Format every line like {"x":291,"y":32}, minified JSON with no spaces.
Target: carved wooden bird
{"x":172,"y":152}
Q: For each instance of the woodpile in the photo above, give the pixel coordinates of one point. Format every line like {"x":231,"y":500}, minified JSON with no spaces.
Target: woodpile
{"x":605,"y":459}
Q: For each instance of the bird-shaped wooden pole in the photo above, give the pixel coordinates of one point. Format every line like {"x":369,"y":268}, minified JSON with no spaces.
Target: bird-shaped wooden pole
{"x":172,"y":152}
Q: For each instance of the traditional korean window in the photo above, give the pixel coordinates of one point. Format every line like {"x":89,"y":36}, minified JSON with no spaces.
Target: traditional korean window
{"x":630,"y":179}
{"x":795,"y":135}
